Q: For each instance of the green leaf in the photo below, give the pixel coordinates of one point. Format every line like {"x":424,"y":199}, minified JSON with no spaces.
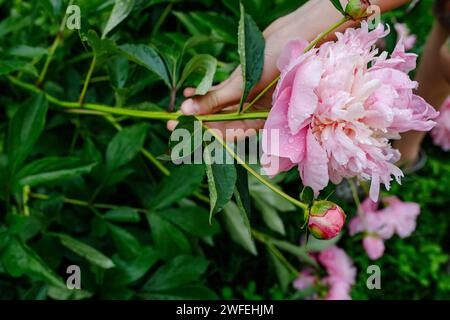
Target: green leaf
{"x":192,"y":219}
{"x":179,"y":141}
{"x":284,"y":274}
{"x":203,"y":64}
{"x":238,"y":228}
{"x":127,"y":244}
{"x":182,"y":182}
{"x":296,"y":250}
{"x":316,"y":245}
{"x":251,"y":45}
{"x":270,"y":215}
{"x":27,"y":51}
{"x":18,"y":260}
{"x":169,"y":240}
{"x":221,"y":180}
{"x":121,"y":10}
{"x":187,"y":292}
{"x":177,"y":272}
{"x":86,"y":251}
{"x":337,"y":4}
{"x":9,"y":66}
{"x":118,"y":71}
{"x":146,"y":57}
{"x":242,"y":192}
{"x":103,"y":48}
{"x":130,"y":271}
{"x":307,"y":195}
{"x":125,"y":145}
{"x":24,"y":130}
{"x":122,"y":214}
{"x":48,"y":170}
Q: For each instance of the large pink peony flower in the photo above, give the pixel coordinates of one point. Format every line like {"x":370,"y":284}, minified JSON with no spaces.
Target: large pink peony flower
{"x":335,"y":109}
{"x":397,"y":217}
{"x":441,"y":133}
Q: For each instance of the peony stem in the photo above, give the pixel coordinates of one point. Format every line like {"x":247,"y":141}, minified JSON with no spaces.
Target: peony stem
{"x":53,"y":48}
{"x":98,"y":109}
{"x":311,"y":46}
{"x":257,"y":175}
{"x":87,"y":80}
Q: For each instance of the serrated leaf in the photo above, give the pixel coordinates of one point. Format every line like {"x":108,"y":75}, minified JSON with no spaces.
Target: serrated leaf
{"x":251,"y":45}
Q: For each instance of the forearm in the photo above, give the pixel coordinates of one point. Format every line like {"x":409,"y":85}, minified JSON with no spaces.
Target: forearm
{"x":317,"y":15}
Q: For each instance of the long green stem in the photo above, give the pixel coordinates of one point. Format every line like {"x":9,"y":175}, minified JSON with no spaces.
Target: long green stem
{"x":87,"y":80}
{"x":53,"y":48}
{"x":257,"y":175}
{"x":98,"y":109}
{"x":82,"y":203}
{"x":311,"y":46}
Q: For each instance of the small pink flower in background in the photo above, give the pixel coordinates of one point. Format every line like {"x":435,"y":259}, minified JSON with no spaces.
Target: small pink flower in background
{"x":336,"y":108}
{"x":374,"y":246}
{"x":305,"y":280}
{"x":404,"y":33}
{"x":341,"y":274}
{"x":326,"y":220}
{"x":441,"y":133}
{"x":397,"y":217}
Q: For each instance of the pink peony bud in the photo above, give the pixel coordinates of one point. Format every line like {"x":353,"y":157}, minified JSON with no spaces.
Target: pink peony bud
{"x":357,"y":9}
{"x":326,"y":220}
{"x":374,"y":246}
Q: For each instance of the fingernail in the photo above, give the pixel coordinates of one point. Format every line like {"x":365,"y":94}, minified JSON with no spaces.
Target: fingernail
{"x":190,"y":107}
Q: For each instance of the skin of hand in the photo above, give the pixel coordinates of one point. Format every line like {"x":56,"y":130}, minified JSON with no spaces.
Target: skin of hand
{"x":307,"y":23}
{"x":433,"y":76}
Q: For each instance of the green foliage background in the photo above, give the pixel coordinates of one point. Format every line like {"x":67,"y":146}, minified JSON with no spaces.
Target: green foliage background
{"x":86,"y":190}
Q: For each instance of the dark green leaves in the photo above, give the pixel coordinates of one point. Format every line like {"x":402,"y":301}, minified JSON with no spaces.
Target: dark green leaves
{"x":103,"y":48}
{"x":221,"y":180}
{"x":18,"y":259}
{"x":86,"y":251}
{"x":238,"y":227}
{"x":24,"y":130}
{"x":168,"y":239}
{"x":183,"y":181}
{"x":125,"y":145}
{"x":148,"y":58}
{"x":179,"y":279}
{"x":50,"y":169}
{"x":205,"y":65}
{"x":121,"y":10}
{"x":251,"y":45}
